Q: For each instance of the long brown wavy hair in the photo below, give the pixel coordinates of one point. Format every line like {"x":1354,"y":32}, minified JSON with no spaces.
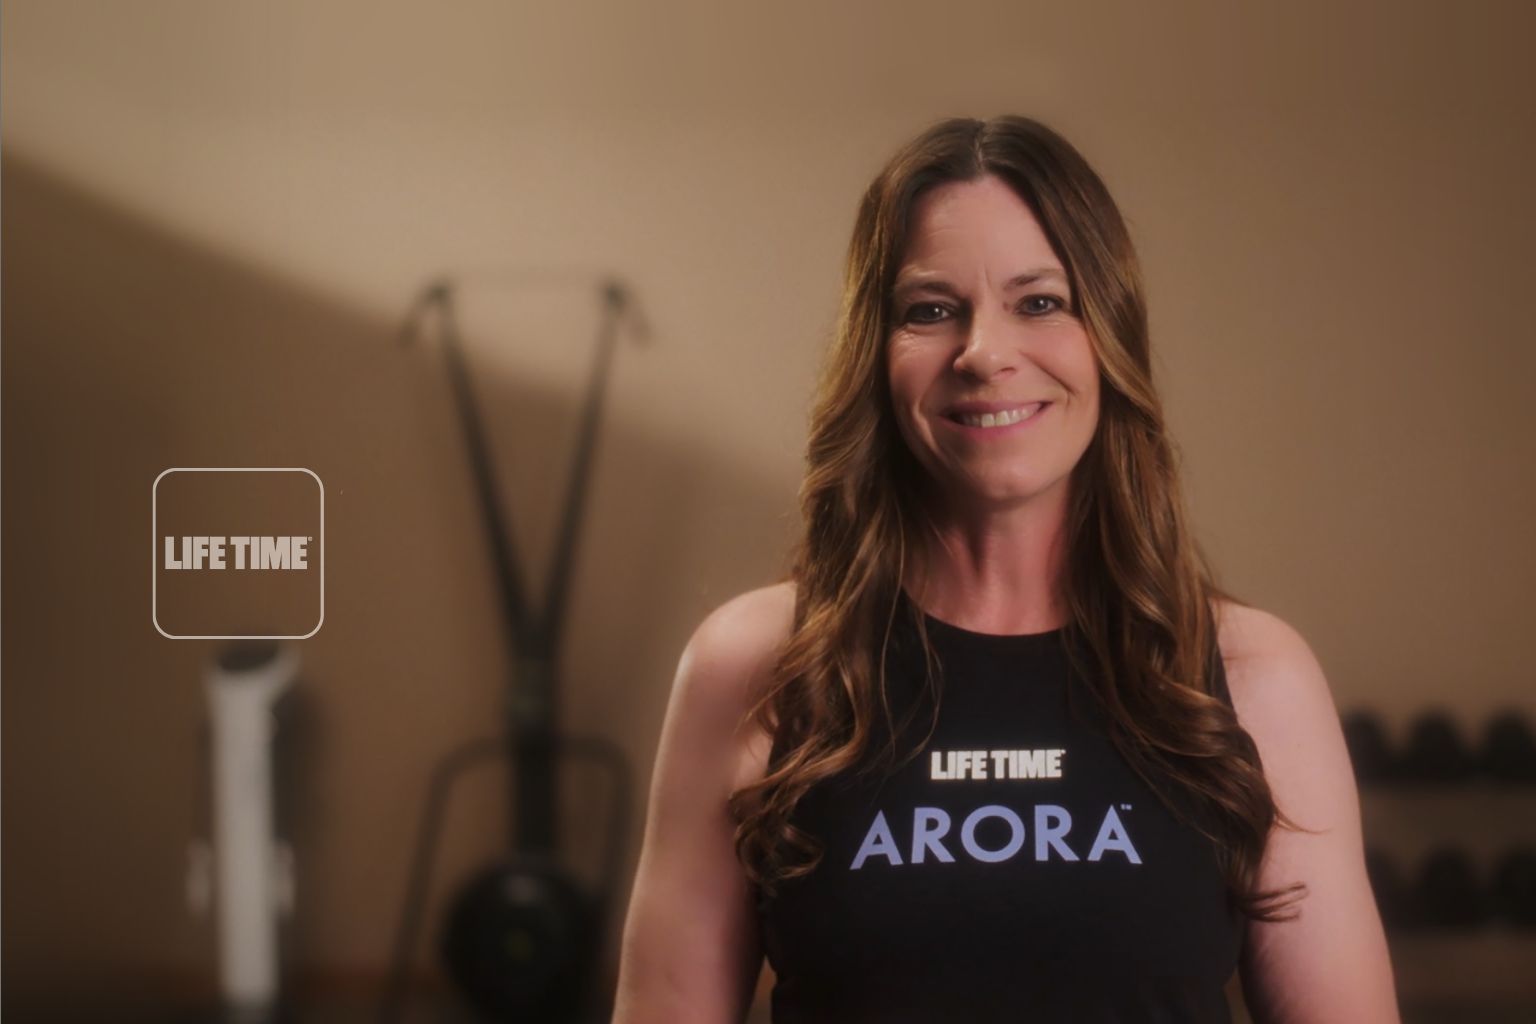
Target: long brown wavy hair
{"x":1137,"y":585}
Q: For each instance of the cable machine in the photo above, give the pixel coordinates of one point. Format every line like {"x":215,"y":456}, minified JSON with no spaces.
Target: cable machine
{"x":522,"y":936}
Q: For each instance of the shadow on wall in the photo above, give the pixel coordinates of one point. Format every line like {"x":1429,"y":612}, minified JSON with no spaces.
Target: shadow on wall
{"x":128,"y":351}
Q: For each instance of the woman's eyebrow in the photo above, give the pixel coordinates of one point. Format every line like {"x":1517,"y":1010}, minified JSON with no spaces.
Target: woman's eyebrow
{"x":918,"y":279}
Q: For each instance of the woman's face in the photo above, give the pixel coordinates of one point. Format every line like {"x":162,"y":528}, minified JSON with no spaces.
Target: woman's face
{"x":983,"y":323}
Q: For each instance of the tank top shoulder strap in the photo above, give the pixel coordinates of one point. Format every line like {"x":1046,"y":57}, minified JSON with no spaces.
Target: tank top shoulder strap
{"x":1218,"y":673}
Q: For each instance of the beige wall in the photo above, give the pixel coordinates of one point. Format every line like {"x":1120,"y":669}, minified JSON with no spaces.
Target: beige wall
{"x":215,"y":215}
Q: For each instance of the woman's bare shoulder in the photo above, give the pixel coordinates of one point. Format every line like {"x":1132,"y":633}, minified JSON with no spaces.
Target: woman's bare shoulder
{"x":1278,"y":687}
{"x":1332,"y":962}
{"x":741,"y":638}
{"x":1249,"y":636}
{"x":730,"y":660}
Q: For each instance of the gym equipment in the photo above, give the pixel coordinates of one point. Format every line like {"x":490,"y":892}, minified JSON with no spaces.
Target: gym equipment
{"x":1435,"y":751}
{"x":1508,"y":750}
{"x":1369,"y":751}
{"x":1514,"y":887}
{"x":522,"y":937}
{"x":1450,"y":893}
{"x":1394,"y":896}
{"x":246,"y":878}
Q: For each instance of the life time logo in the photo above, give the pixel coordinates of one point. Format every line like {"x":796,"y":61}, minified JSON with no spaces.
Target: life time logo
{"x":264,"y":552}
{"x":238,"y":553}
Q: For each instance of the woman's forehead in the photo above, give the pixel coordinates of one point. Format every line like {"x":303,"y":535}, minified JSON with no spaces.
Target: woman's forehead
{"x":974,"y":226}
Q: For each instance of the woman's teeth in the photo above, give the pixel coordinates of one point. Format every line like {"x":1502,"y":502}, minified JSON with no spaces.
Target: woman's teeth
{"x":1001,"y":419}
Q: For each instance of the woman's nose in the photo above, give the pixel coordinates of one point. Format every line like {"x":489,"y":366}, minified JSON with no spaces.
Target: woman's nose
{"x":988,"y":349}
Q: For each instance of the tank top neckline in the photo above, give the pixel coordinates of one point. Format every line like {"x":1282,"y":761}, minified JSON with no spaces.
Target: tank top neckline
{"x":1002,"y":640}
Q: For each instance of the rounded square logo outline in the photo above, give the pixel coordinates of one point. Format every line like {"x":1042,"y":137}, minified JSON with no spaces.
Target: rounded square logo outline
{"x":154,"y":549}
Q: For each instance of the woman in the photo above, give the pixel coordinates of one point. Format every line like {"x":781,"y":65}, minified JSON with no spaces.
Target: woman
{"x":999,"y":748}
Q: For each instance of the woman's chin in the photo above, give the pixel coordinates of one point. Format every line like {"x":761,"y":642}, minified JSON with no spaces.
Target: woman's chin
{"x":996,"y":494}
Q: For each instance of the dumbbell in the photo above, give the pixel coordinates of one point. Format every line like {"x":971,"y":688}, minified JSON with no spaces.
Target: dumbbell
{"x":1514,"y":887}
{"x":1449,"y":893}
{"x":1369,"y":751}
{"x":1508,"y":751}
{"x":1394,"y":896}
{"x":1435,"y":751}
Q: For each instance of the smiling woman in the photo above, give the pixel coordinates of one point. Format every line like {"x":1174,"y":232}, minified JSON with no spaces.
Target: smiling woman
{"x":956,"y":386}
{"x":995,"y":559}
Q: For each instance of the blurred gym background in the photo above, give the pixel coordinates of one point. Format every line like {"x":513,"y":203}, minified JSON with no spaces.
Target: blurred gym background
{"x":218,"y":217}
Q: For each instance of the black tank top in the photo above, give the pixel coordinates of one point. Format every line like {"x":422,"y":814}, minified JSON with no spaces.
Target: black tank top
{"x":1017,"y":869}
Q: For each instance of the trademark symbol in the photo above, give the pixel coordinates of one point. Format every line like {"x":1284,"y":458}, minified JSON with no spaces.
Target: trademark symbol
{"x":1125,"y":807}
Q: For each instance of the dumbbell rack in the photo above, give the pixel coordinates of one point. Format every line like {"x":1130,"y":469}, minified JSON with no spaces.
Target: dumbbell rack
{"x":1477,"y":972}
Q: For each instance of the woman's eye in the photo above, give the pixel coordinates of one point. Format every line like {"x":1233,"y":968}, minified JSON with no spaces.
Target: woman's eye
{"x":1052,"y":303}
{"x":934,"y":312}
{"x":912,"y":317}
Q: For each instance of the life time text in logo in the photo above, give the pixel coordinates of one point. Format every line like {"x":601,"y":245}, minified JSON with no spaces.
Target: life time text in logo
{"x":239,"y":553}
{"x":249,"y":552}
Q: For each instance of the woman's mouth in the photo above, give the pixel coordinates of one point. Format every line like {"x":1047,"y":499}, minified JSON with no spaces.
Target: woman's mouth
{"x":998,"y":422}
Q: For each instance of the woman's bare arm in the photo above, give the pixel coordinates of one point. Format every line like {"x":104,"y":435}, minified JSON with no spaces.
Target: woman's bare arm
{"x":690,"y":951}
{"x":1331,"y":963}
